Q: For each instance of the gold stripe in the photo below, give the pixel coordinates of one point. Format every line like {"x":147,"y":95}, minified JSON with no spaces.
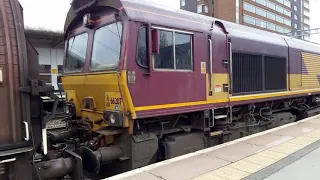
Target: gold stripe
{"x":232,"y":99}
{"x":145,"y":108}
{"x":270,"y":95}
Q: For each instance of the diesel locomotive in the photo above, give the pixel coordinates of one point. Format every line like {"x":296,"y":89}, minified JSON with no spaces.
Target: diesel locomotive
{"x":145,"y":83}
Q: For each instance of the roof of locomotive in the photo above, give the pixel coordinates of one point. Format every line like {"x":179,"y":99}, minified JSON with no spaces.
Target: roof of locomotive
{"x":146,"y":11}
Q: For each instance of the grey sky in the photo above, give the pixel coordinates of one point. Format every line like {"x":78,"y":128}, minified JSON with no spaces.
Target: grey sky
{"x":50,"y":14}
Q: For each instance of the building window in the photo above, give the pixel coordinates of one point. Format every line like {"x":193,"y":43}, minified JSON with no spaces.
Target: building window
{"x":249,"y":7}
{"x":271,"y":26}
{"x":306,"y":21}
{"x":271,"y":5}
{"x":271,"y":16}
{"x":296,"y":25}
{"x":279,"y":9}
{"x":306,"y":27}
{"x":288,"y":13}
{"x":175,"y":51}
{"x":263,"y":2}
{"x":295,"y":8}
{"x":141,"y":54}
{"x":279,"y":19}
{"x":249,"y":20}
{"x":202,"y":8}
{"x":306,"y":12}
{"x":287,"y":22}
{"x":261,"y":12}
{"x":280,"y":1}
{"x":206,"y":9}
{"x":199,"y":9}
{"x":182,"y":3}
{"x":261,"y":23}
{"x":306,"y":4}
{"x":307,"y":38}
{"x":279,"y":29}
{"x":287,"y":3}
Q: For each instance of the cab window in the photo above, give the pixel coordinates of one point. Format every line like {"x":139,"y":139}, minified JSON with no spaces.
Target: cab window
{"x":76,"y":53}
{"x":106,"y":47}
{"x":175,"y":51}
{"x":141,"y":54}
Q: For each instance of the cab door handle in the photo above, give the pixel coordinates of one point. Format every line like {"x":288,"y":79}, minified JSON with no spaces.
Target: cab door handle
{"x":26,"y":125}
{"x":1,"y":76}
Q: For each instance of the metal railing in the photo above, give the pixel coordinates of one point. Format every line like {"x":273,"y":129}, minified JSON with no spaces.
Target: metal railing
{"x":303,"y":33}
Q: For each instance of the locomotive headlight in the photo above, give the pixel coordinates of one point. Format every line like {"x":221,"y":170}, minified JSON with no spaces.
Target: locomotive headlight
{"x":113,"y":118}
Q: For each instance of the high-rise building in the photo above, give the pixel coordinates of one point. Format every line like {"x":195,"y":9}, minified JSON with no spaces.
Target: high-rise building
{"x":279,"y":16}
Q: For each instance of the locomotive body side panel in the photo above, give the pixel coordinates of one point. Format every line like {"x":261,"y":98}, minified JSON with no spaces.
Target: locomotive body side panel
{"x":310,"y":70}
{"x":295,"y":69}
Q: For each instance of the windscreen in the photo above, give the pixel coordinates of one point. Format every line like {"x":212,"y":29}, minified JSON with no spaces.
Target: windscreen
{"x":106,"y":47}
{"x":76,"y":53}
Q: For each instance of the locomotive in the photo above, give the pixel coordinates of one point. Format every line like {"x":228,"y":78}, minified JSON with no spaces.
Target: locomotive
{"x":145,"y":83}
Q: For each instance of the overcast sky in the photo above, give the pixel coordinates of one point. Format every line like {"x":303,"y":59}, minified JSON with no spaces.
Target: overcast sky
{"x":51,"y":14}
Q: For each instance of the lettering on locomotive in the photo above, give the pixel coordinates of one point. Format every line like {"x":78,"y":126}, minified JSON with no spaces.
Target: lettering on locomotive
{"x":116,"y":101}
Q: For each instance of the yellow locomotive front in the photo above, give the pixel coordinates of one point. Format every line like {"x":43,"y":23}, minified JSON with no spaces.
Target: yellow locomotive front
{"x":95,"y":82}
{"x":94,"y":79}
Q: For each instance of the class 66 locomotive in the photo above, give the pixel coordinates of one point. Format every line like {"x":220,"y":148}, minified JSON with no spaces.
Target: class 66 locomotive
{"x":146,"y":83}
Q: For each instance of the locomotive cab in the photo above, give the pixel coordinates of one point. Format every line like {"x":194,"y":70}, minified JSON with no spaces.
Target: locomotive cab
{"x":94,"y":74}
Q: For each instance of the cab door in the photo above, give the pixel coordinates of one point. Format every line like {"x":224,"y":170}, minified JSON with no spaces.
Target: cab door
{"x":218,"y":76}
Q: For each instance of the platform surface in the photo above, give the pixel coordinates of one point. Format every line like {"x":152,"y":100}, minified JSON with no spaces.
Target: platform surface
{"x":287,"y":152}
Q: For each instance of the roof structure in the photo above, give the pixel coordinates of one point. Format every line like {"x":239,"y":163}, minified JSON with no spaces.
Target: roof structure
{"x":45,"y":37}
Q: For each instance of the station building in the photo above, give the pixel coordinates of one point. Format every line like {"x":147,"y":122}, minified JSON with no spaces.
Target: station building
{"x":50,"y":46}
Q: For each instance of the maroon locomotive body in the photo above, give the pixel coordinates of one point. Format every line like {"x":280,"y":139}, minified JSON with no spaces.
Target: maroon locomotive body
{"x":145,"y":83}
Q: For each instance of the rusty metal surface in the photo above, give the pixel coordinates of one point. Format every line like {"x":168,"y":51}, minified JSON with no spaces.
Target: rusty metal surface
{"x":14,"y":65}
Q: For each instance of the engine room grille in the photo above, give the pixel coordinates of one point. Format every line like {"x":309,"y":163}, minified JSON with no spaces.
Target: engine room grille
{"x":258,"y":73}
{"x":275,"y":73}
{"x":247,"y":73}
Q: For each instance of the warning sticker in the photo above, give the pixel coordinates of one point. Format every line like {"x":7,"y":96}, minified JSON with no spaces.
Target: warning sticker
{"x":203,"y":68}
{"x":218,"y":88}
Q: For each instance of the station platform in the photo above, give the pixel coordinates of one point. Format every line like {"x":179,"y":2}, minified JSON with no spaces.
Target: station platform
{"x":291,"y":151}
